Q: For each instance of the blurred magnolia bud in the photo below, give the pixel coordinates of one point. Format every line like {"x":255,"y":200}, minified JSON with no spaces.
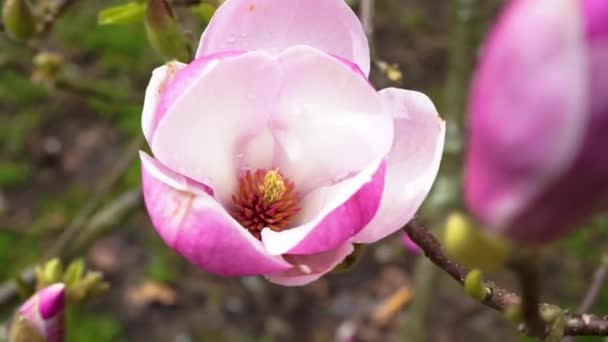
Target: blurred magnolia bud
{"x":164,"y":32}
{"x":40,"y":318}
{"x":47,"y":67}
{"x":391,"y":71}
{"x":474,"y":248}
{"x":537,"y":165}
{"x":19,"y":21}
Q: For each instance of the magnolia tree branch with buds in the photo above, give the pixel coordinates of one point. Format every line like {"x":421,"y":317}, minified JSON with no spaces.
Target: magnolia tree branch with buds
{"x":498,"y":298}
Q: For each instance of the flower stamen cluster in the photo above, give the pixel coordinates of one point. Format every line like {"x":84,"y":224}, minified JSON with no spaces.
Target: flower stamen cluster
{"x":265,"y":199}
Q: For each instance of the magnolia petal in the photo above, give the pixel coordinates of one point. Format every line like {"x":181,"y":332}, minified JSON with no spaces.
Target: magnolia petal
{"x":412,"y":163}
{"x":161,"y":77}
{"x":195,"y":225}
{"x":328,"y":25}
{"x":595,"y":12}
{"x":331,"y":215}
{"x":210,"y":124}
{"x":329,"y":123}
{"x":169,"y":82}
{"x":308,"y":268}
{"x":528,"y":108}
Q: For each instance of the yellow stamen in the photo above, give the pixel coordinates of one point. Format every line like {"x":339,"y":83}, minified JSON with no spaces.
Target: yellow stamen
{"x":273,"y":186}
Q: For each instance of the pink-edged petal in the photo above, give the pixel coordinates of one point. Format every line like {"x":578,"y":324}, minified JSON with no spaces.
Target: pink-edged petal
{"x":528,"y":108}
{"x":161,"y":77}
{"x":412,"y":163}
{"x":328,"y":25}
{"x":331,"y":215}
{"x":329,"y":123}
{"x":308,"y":268}
{"x":210,"y":124}
{"x":196,"y":226}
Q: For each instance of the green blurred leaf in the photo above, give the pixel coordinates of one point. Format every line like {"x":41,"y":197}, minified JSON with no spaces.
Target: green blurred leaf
{"x":91,"y":326}
{"x":13,"y":174}
{"x":74,"y":272}
{"x":165,"y":33}
{"x":122,"y":14}
{"x":204,"y":11}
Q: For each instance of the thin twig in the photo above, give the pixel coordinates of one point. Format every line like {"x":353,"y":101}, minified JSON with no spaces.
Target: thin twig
{"x":54,"y":12}
{"x":599,"y":278}
{"x":102,"y":188}
{"x":528,"y":279}
{"x":499,"y":298}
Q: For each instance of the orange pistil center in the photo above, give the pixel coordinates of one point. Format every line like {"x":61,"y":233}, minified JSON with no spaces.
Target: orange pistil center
{"x":265,"y":199}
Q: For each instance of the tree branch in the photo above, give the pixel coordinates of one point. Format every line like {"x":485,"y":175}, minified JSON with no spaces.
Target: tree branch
{"x":499,"y":299}
{"x":53,"y":12}
{"x":528,"y":279}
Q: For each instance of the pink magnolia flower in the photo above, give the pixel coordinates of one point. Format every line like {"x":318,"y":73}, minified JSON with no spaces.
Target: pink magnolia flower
{"x":44,"y":313}
{"x":537,"y":164}
{"x":273,"y":154}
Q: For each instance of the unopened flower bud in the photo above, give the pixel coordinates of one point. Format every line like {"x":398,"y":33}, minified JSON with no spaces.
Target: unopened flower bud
{"x":40,"y":318}
{"x":474,"y":248}
{"x":537,"y":166}
{"x":47,"y":68}
{"x":164,"y":32}
{"x":19,"y":21}
{"x":473,"y":285}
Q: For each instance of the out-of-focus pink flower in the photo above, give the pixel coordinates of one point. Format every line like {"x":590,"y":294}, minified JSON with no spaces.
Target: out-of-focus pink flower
{"x":273,"y":154}
{"x":44,"y":311}
{"x":537,"y":163}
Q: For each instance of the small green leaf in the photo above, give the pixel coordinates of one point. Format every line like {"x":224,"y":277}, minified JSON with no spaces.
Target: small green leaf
{"x":122,"y":14}
{"x":74,"y":272}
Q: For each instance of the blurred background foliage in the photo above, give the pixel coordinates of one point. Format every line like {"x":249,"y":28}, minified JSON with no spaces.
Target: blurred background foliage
{"x":59,"y":142}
